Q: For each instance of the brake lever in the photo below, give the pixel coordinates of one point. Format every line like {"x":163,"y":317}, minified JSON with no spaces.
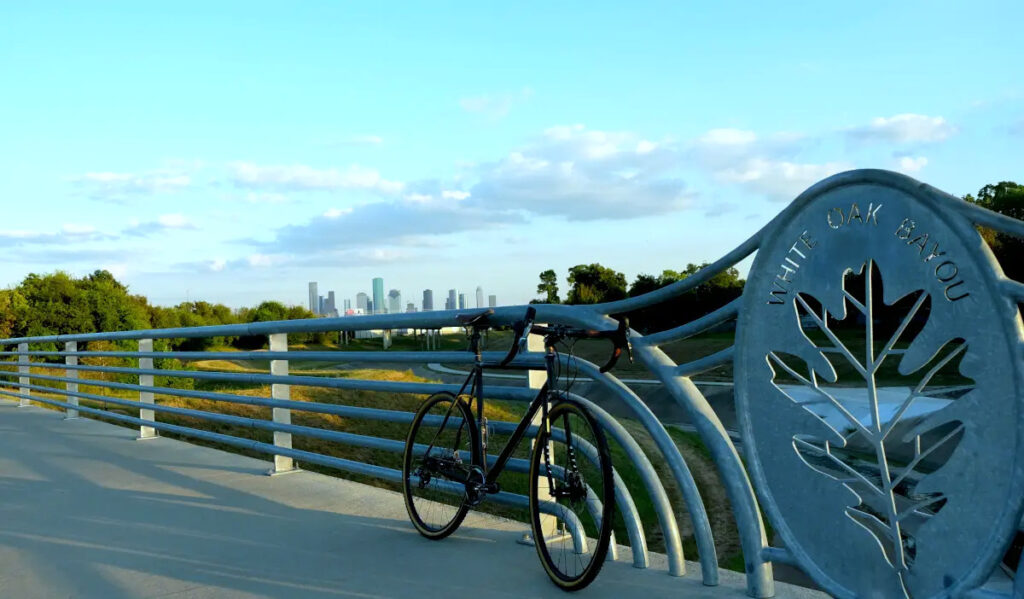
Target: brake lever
{"x":621,"y":341}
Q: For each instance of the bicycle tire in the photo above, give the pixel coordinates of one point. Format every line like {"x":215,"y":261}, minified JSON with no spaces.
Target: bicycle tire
{"x":565,"y":566}
{"x":422,"y":504}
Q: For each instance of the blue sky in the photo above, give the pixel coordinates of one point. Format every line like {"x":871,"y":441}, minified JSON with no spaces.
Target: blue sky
{"x":233,"y":153}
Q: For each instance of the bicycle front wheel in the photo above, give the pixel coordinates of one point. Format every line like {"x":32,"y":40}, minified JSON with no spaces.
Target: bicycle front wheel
{"x":571,"y":495}
{"x":441,"y":453}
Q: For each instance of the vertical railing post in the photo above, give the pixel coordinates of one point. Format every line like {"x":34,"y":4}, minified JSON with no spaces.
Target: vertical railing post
{"x":282,"y":464}
{"x":71,"y":373}
{"x":146,"y":397}
{"x":23,"y":372}
{"x":535,"y":380}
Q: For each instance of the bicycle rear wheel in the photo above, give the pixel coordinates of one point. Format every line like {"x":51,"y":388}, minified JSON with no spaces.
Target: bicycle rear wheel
{"x":571,"y":473}
{"x":441,"y":452}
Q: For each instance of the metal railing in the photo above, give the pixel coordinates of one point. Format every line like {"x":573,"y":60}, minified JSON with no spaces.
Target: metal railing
{"x":676,"y":378}
{"x":29,"y":374}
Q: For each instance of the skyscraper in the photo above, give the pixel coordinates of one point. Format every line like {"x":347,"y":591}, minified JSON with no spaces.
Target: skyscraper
{"x":347,"y":304}
{"x":331,"y":310}
{"x":462,"y":301}
{"x":410,"y":307}
{"x":378,"y":296}
{"x":394,"y":301}
{"x":450,"y":304}
{"x":314,"y":298}
{"x":492,"y":301}
{"x":362,"y":300}
{"x":320,"y":306}
{"x":428,"y":300}
{"x":479,"y":296}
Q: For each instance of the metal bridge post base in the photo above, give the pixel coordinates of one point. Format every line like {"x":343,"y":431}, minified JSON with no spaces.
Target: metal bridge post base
{"x":278,"y":470}
{"x":613,"y":550}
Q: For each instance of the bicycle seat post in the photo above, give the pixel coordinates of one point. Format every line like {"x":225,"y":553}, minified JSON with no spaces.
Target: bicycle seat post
{"x":474,"y":346}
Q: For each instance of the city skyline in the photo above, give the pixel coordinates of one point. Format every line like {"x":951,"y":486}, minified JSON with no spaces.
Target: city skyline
{"x":391,"y":303}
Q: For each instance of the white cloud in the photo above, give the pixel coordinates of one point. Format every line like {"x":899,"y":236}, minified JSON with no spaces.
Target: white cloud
{"x":779,"y":179}
{"x":164,"y":222}
{"x":300,"y":177}
{"x":266,"y":198}
{"x":174,"y":221}
{"x":218,"y":264}
{"x":68,"y":233}
{"x":396,"y":222}
{"x":336,"y":212}
{"x":454,"y":194}
{"x":904,"y":129}
{"x":260,"y":260}
{"x":911,"y":164}
{"x":765,"y":165}
{"x":585,"y":174}
{"x":114,"y":186}
{"x":495,"y":106}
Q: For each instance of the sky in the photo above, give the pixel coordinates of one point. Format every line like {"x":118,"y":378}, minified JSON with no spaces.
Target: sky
{"x":234,"y":151}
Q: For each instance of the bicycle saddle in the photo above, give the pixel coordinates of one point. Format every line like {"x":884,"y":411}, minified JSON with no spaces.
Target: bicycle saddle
{"x":468,"y":320}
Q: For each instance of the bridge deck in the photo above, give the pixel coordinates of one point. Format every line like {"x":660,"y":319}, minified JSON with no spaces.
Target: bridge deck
{"x":87,"y":511}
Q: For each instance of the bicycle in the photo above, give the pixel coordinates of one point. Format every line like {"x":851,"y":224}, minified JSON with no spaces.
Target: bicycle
{"x":446,"y":469}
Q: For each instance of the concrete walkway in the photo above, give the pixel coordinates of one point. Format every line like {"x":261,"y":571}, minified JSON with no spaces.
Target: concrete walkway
{"x":86,"y":511}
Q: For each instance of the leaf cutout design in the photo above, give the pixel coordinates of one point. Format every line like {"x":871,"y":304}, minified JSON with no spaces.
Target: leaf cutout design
{"x":879,"y":449}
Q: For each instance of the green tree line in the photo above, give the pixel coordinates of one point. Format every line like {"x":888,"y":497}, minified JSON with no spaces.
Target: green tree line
{"x":58,"y":304}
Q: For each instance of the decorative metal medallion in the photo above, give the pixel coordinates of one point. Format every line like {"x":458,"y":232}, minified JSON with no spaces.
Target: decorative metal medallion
{"x":879,"y":393}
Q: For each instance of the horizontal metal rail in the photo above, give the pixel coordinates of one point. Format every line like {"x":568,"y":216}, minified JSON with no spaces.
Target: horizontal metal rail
{"x":461,"y":357}
{"x":706,"y":363}
{"x":694,"y":327}
{"x":502,"y":316}
{"x":491,"y":391}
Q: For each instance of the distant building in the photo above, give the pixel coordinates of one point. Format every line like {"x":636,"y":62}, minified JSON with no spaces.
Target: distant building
{"x":492,"y":301}
{"x":378,"y":296}
{"x":347,"y":305}
{"x":320,"y":306}
{"x":479,"y":297}
{"x":394,"y":301}
{"x":331,"y":309}
{"x":450,"y":304}
{"x":410,"y":307}
{"x":314,"y":302}
{"x":369,"y":307}
{"x":362,"y":301}
{"x":462,"y":301}
{"x":428,"y":300}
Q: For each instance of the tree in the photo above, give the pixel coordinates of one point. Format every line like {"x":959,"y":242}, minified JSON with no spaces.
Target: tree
{"x":705,"y":298}
{"x":593,"y":284}
{"x":548,"y":287}
{"x":1005,"y":197}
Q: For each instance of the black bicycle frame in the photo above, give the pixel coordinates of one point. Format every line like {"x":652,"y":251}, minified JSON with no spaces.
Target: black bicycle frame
{"x":539,"y":403}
